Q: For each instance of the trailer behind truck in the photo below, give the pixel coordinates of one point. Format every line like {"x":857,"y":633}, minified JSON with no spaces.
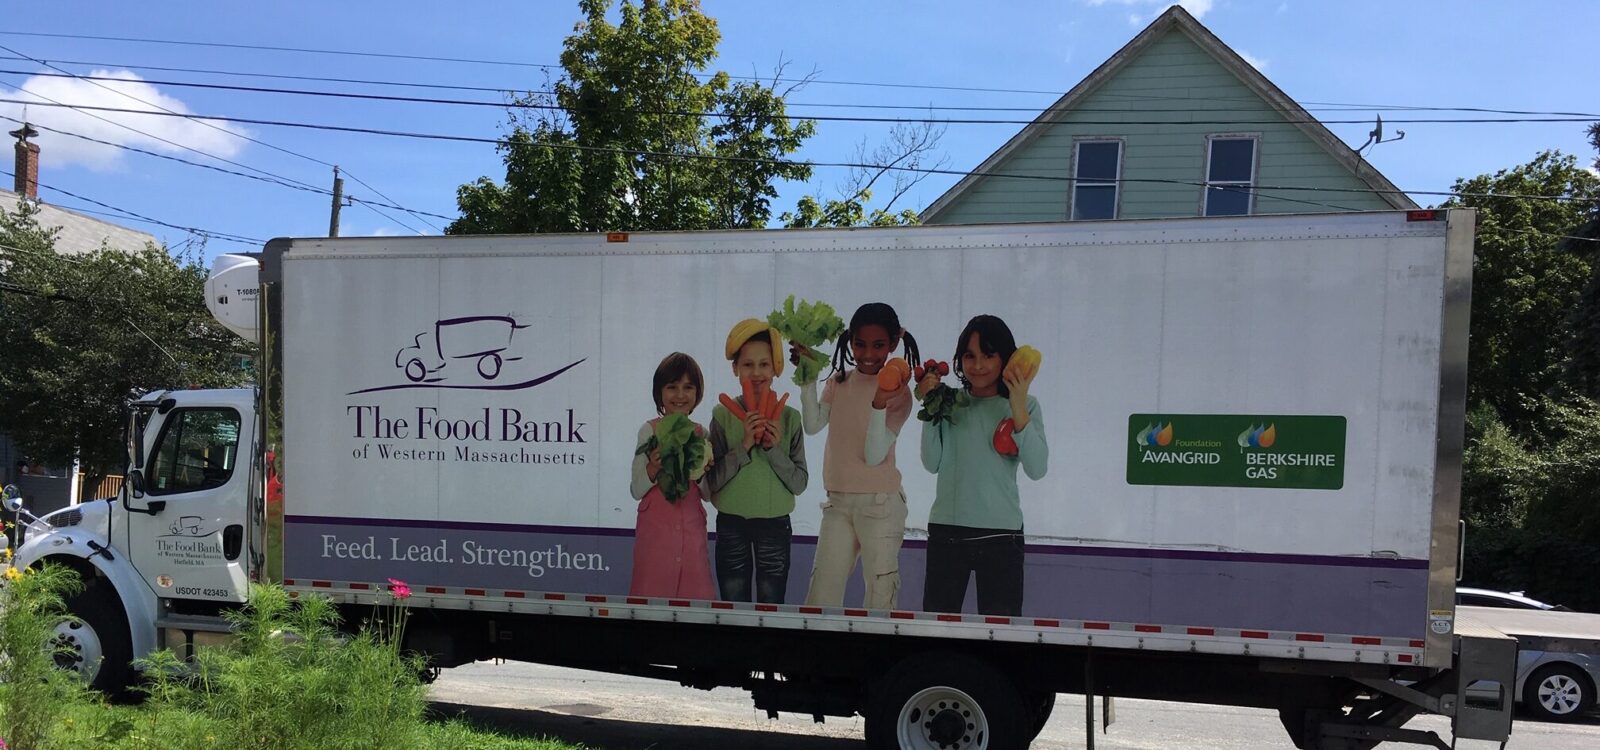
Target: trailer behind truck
{"x":1254,"y":431}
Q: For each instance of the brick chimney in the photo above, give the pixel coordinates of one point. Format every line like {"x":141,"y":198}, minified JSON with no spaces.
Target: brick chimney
{"x":27,"y":166}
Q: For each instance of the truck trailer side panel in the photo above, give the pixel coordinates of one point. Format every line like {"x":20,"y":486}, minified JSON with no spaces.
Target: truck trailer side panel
{"x":1244,"y":419}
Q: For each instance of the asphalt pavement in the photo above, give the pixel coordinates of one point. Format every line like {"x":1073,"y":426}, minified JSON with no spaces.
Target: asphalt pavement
{"x":610,"y":712}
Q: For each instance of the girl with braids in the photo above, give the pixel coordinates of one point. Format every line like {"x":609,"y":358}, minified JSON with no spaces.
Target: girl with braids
{"x":864,"y":516}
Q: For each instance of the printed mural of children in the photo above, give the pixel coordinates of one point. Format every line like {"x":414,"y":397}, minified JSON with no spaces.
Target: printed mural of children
{"x":864,"y":516}
{"x":755,"y":474}
{"x":669,"y":543}
{"x":975,"y":526}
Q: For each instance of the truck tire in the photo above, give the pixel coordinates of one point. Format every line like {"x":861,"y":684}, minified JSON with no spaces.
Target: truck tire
{"x":1042,"y":705}
{"x":95,"y":641}
{"x":1558,"y":692}
{"x":946,"y":701}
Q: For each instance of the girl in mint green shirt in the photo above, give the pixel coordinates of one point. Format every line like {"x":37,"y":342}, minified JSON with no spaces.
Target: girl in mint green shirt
{"x":975,"y":527}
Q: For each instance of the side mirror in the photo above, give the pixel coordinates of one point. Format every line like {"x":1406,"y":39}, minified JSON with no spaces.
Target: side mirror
{"x":136,"y":482}
{"x":11,"y":497}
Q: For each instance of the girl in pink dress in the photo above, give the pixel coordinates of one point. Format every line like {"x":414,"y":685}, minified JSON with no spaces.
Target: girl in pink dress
{"x":670,"y":558}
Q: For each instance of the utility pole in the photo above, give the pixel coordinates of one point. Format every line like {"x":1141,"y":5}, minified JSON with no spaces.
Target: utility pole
{"x":338,"y":202}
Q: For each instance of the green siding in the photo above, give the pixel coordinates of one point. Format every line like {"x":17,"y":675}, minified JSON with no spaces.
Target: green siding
{"x":1170,"y":91}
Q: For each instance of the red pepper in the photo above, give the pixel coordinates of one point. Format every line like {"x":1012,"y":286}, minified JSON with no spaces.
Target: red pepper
{"x":1005,"y":441}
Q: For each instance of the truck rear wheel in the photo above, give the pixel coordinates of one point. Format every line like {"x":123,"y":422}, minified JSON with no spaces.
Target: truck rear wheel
{"x":95,"y":641}
{"x":946,"y":701}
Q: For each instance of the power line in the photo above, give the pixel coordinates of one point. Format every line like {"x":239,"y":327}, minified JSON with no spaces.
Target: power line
{"x":527,"y":105}
{"x":91,"y":80}
{"x":479,"y":61}
{"x":1555,"y":116}
{"x":214,"y":168}
{"x":48,"y":102}
{"x":140,"y":217}
{"x":814,"y":164}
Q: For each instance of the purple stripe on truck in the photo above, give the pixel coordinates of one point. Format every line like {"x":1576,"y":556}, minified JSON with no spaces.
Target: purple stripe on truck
{"x":1286,"y":593}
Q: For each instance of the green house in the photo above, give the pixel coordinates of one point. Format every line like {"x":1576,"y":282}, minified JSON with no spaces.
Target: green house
{"x":1175,"y":124}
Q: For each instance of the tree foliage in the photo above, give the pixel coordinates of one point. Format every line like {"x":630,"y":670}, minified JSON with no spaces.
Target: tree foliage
{"x":1526,"y":281}
{"x":79,"y":334}
{"x":907,"y":150}
{"x":633,"y":137}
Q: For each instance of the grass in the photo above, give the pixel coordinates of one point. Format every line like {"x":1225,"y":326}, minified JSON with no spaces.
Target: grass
{"x":291,"y":680}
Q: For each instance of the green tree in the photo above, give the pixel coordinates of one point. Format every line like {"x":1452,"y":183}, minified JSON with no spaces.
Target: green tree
{"x":632,"y":137}
{"x":1584,"y":368}
{"x":1526,"y":280}
{"x":79,"y":334}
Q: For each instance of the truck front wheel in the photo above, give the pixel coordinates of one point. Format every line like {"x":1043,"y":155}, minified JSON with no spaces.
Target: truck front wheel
{"x":94,"y":642}
{"x":946,"y":701}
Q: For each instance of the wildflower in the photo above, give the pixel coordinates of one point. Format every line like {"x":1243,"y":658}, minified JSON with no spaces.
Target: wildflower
{"x":5,"y":555}
{"x":12,"y":574}
{"x":399,"y":589}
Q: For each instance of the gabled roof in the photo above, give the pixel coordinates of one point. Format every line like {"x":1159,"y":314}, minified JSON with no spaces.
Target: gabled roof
{"x":82,"y":234}
{"x":1178,"y":19}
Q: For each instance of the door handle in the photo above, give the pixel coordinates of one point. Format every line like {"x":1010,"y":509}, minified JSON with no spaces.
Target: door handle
{"x":232,"y":541}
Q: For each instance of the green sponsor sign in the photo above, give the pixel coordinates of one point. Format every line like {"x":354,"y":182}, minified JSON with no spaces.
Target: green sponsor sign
{"x":1228,"y":450}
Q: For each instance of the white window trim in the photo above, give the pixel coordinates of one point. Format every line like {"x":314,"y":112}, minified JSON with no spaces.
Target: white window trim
{"x":1255,"y":169}
{"x":1072,"y":192}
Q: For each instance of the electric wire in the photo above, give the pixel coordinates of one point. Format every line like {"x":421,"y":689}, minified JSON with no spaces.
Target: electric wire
{"x":1523,"y":117}
{"x":812,"y":164}
{"x":525,"y":105}
{"x":226,"y":236}
{"x":91,"y":80}
{"x":214,"y":168}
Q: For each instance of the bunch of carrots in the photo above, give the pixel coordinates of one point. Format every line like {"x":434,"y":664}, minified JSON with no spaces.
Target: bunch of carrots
{"x":769,"y":405}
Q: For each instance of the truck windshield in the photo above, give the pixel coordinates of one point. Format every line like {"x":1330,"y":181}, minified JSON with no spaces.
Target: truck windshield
{"x":196,"y":451}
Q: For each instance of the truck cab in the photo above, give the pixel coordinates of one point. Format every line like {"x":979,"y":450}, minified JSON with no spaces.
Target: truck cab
{"x":166,"y":555}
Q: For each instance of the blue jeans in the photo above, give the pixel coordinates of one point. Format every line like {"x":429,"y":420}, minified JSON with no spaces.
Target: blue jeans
{"x":758,"y":546}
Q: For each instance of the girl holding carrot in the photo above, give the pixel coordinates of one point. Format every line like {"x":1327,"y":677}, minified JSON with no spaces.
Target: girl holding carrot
{"x":864,"y":516}
{"x":669,"y":542}
{"x":975,"y":526}
{"x":758,"y":466}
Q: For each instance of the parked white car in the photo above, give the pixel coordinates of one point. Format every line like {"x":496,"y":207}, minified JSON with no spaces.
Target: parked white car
{"x":1558,"y":656}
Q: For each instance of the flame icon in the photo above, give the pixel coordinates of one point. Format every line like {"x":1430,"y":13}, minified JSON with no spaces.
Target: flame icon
{"x":1156,"y":435}
{"x":1258,"y":436}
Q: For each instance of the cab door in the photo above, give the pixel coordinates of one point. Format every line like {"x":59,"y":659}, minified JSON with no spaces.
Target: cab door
{"x":188,"y":541}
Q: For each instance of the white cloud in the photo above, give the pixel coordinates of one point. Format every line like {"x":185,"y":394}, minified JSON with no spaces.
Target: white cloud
{"x":1256,"y":62}
{"x":1149,"y":9}
{"x":57,"y":149}
{"x":386,"y":232}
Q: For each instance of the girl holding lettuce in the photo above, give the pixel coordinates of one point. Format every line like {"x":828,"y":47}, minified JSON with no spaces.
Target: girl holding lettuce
{"x":670,"y":558}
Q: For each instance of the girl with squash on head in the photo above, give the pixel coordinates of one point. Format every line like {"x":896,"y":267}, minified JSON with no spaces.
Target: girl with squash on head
{"x":759,"y":465}
{"x":864,"y":516}
{"x":975,"y":526}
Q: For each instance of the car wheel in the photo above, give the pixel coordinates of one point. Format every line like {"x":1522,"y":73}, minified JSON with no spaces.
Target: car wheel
{"x":1558,"y":692}
{"x":944,"y":701}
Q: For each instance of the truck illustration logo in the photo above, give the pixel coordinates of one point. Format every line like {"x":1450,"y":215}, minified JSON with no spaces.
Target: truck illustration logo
{"x":187,"y":526}
{"x":1155,"y":436}
{"x":1258,"y":436}
{"x":466,"y":353}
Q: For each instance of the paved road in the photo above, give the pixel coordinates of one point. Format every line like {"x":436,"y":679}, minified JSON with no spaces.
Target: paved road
{"x":625,"y":713}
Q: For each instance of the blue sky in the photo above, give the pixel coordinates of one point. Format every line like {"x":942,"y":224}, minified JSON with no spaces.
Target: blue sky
{"x":1530,"y":55}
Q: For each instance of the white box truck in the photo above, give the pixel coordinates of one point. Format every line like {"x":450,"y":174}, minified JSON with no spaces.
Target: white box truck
{"x":1240,"y":480}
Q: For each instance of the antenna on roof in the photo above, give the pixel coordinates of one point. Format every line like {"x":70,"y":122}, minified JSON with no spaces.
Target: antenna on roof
{"x":1376,"y":137}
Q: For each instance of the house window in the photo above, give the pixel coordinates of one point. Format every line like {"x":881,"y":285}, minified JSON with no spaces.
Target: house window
{"x":1230,"y":173}
{"x":1097,"y":166}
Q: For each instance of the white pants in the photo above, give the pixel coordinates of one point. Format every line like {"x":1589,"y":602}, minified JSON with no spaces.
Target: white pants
{"x":865,"y":527}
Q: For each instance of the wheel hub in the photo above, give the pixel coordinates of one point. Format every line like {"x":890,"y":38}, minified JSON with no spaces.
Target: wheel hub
{"x":77,"y":648}
{"x":943,"y":718}
{"x":1559,"y":694}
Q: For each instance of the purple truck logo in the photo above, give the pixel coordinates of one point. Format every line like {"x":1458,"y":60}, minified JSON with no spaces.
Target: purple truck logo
{"x":467,"y":353}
